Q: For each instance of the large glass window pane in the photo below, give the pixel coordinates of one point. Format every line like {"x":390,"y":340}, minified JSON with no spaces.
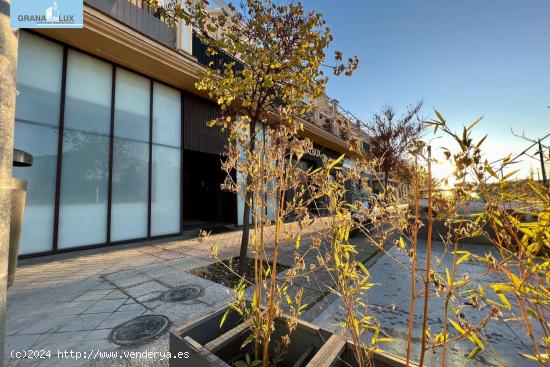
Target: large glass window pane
{"x":36,"y":131}
{"x":165,"y":195}
{"x":241,"y":178}
{"x":85,"y":168}
{"x":130,"y":157}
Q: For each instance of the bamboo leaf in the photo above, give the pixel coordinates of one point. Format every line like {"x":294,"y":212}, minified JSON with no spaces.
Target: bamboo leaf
{"x":363,"y":268}
{"x":538,"y":358}
{"x":335,"y":162}
{"x":402,"y":243}
{"x":288,"y":300}
{"x":235,"y":308}
{"x":481,"y":141}
{"x":481,"y":291}
{"x":473,"y":353}
{"x":457,"y":327}
{"x":247,"y":341}
{"x":506,"y":177}
{"x":463,"y":258}
{"x":473,"y":124}
{"x":474,"y":339}
{"x":502,"y":287}
{"x":440,"y":117}
{"x":504,"y":301}
{"x":224,"y":316}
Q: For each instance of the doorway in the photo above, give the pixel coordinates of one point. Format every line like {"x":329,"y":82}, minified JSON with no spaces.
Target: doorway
{"x":205,"y":204}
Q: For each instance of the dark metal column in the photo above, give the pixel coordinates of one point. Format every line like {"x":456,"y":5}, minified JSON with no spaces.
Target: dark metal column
{"x":59,"y":151}
{"x":111,"y":146}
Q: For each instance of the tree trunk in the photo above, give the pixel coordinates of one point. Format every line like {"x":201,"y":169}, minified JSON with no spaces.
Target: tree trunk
{"x":386,"y":173}
{"x":243,"y":255}
{"x":8,"y":67}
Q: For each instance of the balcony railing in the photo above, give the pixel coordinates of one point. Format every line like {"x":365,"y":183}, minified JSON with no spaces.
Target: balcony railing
{"x":140,"y":16}
{"x":216,"y":61}
{"x":329,"y":115}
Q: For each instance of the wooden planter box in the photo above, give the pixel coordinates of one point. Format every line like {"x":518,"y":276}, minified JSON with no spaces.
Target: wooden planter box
{"x":338,"y":352}
{"x":208,"y":345}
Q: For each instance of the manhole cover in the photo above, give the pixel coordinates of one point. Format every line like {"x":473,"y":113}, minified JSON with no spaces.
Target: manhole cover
{"x":181,"y":294}
{"x":139,"y":330}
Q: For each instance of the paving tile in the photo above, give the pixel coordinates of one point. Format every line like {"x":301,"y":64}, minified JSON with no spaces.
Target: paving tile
{"x":116,"y":294}
{"x":132,"y":280}
{"x":145,"y":288}
{"x":169,"y":254}
{"x":19,"y":342}
{"x":131,"y":307}
{"x":88,"y":321}
{"x":180,"y":312}
{"x":104,"y":285}
{"x":107,"y":305}
{"x":178,"y":278}
{"x":216,"y":295}
{"x":119,"y":317}
{"x":59,"y":338}
{"x":14,"y":324}
{"x":99,"y":334}
{"x":190,"y":262}
{"x":47,"y":324}
{"x":69,"y":308}
{"x":113,"y":277}
{"x":149,"y":297}
{"x":95,"y":295}
{"x":152,"y":304}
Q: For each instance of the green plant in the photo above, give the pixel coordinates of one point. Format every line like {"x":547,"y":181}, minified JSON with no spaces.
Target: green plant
{"x":279,"y":49}
{"x":514,"y":219}
{"x":523,"y":244}
{"x":248,"y":362}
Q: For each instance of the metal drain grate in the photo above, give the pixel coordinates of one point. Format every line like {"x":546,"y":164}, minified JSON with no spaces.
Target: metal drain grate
{"x":181,"y":294}
{"x":140,"y":330}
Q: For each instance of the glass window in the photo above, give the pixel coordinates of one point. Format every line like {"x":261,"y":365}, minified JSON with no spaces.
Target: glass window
{"x":130,"y":157}
{"x":165,"y":195}
{"x":241,"y":178}
{"x":36,"y":131}
{"x":85,"y":167}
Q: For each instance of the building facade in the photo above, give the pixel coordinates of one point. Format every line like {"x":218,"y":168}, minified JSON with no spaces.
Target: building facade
{"x":117,"y":130}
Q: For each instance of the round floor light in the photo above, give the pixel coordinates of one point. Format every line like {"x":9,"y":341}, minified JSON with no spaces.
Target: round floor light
{"x":181,"y":294}
{"x":140,"y":330}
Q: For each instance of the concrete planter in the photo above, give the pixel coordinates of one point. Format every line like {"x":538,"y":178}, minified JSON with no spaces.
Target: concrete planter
{"x":204,"y":343}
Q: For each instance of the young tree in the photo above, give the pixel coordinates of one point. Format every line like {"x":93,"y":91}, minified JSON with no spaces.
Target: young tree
{"x":279,"y":50}
{"x":8,"y":67}
{"x":392,"y":135}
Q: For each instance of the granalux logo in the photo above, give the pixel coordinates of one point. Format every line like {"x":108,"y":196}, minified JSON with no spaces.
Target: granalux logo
{"x":46,"y":13}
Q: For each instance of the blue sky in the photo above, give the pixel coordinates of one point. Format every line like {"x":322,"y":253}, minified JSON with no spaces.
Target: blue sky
{"x":467,"y":58}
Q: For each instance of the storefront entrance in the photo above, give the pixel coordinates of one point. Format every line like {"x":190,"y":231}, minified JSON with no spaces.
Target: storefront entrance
{"x":204,"y":202}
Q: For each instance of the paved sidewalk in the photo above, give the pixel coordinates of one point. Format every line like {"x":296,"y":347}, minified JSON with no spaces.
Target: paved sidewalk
{"x":73,"y":301}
